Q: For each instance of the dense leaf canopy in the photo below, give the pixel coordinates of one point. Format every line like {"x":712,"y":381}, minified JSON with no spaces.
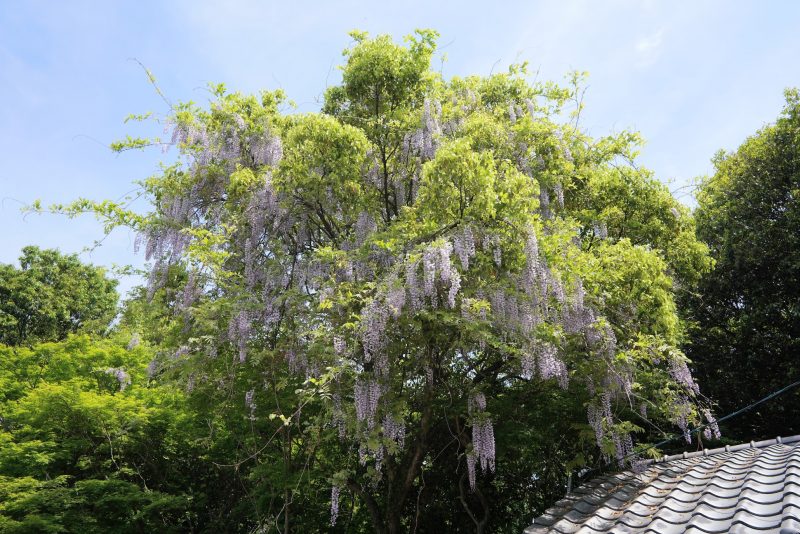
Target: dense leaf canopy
{"x":80,"y":433}
{"x":746,"y":338}
{"x":51,"y":295}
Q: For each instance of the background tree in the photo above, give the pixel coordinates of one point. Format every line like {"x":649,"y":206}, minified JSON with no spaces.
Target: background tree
{"x":52,"y":295}
{"x":381,"y":287}
{"x":87,"y":446}
{"x":746,"y":336}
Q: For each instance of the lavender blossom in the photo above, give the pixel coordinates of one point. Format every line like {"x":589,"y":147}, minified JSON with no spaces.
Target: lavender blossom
{"x":298,"y":363}
{"x":190,"y":292}
{"x":600,"y":230}
{"x":483,"y":444}
{"x":412,"y":284}
{"x":623,"y":446}
{"x":443,"y":264}
{"x":559,"y":191}
{"x":464,"y":246}
{"x":364,"y":227}
{"x":134,"y":342}
{"x":476,"y":403}
{"x":122,"y":377}
{"x":680,"y":372}
{"x":334,"y":504}
{"x":681,"y":411}
{"x":367,"y":393}
{"x":455,"y":285}
{"x":533,"y":265}
{"x":394,"y":430}
{"x":605,"y":399}
{"x":429,"y":271}
{"x":550,"y":366}
{"x":395,"y":297}
{"x":152,"y":368}
{"x":239,"y":332}
{"x":339,"y":345}
{"x":266,"y":149}
{"x":338,"y":416}
{"x":472,"y":459}
{"x":373,"y":323}
{"x":527,"y":366}
{"x":713,"y":427}
{"x":531,"y":107}
{"x":497,"y":300}
{"x":430,"y":131}
{"x":544,"y":202}
{"x":595,"y":417}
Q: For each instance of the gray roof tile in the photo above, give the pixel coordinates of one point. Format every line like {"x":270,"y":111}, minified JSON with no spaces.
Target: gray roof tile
{"x":752,"y":487}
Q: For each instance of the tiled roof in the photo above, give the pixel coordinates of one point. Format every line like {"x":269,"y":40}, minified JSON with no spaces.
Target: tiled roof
{"x":753,"y":487}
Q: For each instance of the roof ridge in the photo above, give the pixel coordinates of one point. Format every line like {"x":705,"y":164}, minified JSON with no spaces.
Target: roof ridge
{"x":727,"y":448}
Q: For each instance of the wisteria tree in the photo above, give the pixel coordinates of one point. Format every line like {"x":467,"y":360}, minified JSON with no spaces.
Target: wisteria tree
{"x":393,"y":269}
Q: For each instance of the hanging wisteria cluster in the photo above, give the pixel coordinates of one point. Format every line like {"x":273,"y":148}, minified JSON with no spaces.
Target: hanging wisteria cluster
{"x":394,"y":430}
{"x":121,"y":375}
{"x":712,"y":430}
{"x":334,"y":504}
{"x":367,"y":394}
{"x":682,"y":411}
{"x":228,"y":145}
{"x":425,"y":141}
{"x":681,"y":374}
{"x":483,"y":445}
{"x":134,"y":342}
{"x":464,"y":246}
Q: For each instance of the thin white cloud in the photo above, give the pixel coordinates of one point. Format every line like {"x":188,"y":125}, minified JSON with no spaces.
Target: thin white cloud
{"x":648,"y":48}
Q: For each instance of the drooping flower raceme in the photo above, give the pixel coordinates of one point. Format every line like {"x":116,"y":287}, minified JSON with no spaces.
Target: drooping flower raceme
{"x":122,"y":377}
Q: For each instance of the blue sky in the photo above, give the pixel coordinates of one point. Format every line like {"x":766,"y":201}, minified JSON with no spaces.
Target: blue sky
{"x":692,"y":77}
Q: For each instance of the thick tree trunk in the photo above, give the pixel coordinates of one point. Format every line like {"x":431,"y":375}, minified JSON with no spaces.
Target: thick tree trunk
{"x":406,"y":482}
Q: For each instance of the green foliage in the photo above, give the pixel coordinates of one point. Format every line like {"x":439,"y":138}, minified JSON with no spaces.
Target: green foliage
{"x":746,"y":334}
{"x":636,"y":206}
{"x":86,"y":445}
{"x":459,"y":184}
{"x":97,"y":506}
{"x":52,"y":295}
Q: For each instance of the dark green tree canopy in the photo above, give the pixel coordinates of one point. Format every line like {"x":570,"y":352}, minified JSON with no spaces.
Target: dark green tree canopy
{"x":746,"y":340}
{"x":51,"y":295}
